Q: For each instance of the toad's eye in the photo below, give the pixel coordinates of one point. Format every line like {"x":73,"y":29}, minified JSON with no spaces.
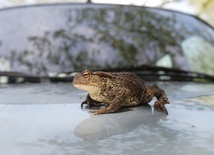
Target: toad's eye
{"x":85,"y":74}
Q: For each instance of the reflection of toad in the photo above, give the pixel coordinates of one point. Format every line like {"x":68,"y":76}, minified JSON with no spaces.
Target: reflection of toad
{"x":127,"y":120}
{"x":117,"y":90}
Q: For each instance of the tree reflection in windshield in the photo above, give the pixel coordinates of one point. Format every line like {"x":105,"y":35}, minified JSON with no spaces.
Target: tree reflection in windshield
{"x":101,"y":37}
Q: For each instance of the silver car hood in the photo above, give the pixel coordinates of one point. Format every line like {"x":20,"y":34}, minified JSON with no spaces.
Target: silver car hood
{"x":47,"y":119}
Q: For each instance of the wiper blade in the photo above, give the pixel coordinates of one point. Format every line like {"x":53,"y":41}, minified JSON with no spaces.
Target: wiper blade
{"x":147,"y":73}
{"x":16,"y":77}
{"x":155,"y":73}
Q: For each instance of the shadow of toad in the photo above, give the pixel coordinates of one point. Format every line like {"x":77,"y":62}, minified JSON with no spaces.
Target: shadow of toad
{"x":99,"y":127}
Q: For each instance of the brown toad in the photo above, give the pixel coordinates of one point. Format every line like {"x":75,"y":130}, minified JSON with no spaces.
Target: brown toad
{"x":117,"y":90}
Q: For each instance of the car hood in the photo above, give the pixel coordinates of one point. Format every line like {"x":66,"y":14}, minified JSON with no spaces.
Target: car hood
{"x":47,"y":118}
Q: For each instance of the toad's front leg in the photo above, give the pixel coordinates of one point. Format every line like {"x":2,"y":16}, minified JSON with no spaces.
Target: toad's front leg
{"x":107,"y":109}
{"x":113,"y":104}
{"x":160,"y":94}
{"x":90,"y":102}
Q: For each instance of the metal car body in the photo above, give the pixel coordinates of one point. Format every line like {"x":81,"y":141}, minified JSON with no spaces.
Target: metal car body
{"x":44,"y":44}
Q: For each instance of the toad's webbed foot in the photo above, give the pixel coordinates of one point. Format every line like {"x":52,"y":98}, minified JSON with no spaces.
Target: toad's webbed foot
{"x":161,"y":98}
{"x":160,"y":104}
{"x":90,"y":102}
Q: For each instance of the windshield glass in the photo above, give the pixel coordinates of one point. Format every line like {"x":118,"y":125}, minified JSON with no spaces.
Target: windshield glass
{"x":45,"y":40}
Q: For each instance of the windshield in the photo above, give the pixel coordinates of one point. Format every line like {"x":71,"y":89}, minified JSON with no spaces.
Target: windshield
{"x":98,"y":37}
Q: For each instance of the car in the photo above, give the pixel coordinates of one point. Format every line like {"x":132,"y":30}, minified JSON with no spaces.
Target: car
{"x":42,"y":48}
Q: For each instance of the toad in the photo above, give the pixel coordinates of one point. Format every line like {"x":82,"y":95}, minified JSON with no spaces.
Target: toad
{"x":118,"y":90}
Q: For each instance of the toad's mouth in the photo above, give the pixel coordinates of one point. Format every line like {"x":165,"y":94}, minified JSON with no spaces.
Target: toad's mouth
{"x":88,"y":88}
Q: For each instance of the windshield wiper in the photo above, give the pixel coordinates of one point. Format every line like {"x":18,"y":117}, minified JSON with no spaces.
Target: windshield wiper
{"x":147,"y":73}
{"x":155,"y":73}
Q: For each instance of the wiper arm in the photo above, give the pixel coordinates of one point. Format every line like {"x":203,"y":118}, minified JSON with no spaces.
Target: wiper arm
{"x":147,"y":73}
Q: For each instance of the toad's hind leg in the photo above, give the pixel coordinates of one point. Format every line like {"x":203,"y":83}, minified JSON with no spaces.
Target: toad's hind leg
{"x":161,"y":98}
